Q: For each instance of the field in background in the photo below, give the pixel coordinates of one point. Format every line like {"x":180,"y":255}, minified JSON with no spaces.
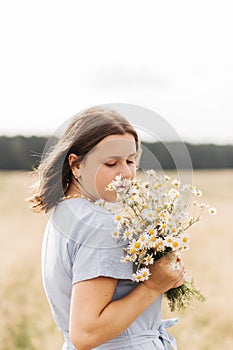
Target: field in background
{"x":25,"y":319}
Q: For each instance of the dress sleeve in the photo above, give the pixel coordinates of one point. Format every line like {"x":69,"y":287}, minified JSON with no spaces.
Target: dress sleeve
{"x":94,"y":262}
{"x":98,"y":253}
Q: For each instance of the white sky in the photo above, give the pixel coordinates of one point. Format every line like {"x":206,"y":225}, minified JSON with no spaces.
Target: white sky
{"x":173,"y":57}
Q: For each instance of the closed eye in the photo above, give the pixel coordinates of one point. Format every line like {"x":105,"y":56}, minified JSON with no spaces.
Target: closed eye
{"x":110,"y":164}
{"x":113,"y":164}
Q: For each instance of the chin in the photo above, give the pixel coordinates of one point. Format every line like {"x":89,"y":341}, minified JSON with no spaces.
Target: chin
{"x":110,"y":199}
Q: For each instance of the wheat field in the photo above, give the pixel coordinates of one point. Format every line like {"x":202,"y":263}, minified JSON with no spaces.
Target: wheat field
{"x":25,"y":319}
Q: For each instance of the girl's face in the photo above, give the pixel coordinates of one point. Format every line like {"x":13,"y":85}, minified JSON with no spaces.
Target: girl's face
{"x":114,"y":155}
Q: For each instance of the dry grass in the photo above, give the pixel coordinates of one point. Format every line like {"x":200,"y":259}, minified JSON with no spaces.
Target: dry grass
{"x":25,"y":319}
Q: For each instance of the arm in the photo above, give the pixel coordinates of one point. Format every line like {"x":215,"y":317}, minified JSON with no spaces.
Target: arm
{"x":95,"y":318}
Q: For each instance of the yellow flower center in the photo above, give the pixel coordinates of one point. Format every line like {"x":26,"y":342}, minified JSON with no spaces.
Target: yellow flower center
{"x":151,"y":232}
{"x":164,"y":225}
{"x":175,"y":244}
{"x":139,"y":277}
{"x":137,"y":245}
{"x":132,"y":251}
{"x":118,"y":217}
{"x":185,"y":239}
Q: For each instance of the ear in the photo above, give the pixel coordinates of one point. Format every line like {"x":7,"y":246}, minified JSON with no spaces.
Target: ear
{"x":74,"y":163}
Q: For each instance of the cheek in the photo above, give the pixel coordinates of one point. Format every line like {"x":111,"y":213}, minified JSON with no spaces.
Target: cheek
{"x":89,"y":177}
{"x":104,"y":176}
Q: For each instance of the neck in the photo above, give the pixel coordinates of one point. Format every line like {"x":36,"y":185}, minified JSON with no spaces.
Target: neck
{"x":73,"y":190}
{"x":76,"y":190}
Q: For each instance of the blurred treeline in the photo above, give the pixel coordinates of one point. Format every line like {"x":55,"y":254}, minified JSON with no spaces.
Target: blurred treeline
{"x":24,"y":153}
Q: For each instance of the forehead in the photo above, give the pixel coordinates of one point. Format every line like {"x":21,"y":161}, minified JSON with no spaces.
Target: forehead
{"x":116,"y":146}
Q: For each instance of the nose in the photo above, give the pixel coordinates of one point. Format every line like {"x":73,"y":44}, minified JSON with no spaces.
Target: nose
{"x":126,"y":171}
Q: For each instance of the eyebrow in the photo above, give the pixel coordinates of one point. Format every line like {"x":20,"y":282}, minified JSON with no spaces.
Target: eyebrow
{"x":119,"y":157}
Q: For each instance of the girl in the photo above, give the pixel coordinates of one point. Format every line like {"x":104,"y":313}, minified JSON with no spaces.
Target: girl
{"x":93,"y":299}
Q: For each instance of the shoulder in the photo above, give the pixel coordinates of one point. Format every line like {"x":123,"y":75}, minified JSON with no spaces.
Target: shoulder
{"x":85,"y":223}
{"x":82,"y":211}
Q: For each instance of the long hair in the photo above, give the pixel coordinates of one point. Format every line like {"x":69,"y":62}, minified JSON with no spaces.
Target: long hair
{"x":84,"y":132}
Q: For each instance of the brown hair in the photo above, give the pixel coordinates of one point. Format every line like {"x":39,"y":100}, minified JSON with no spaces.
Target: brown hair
{"x":85,"y":131}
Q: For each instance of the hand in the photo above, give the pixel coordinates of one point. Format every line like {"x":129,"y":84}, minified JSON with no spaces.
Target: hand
{"x":164,"y":276}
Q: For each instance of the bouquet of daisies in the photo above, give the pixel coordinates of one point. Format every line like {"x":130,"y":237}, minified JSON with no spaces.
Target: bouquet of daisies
{"x":154,"y":220}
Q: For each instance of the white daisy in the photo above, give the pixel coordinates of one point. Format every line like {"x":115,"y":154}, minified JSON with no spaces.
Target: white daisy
{"x":127,"y":234}
{"x":148,"y":260}
{"x":212,"y":211}
{"x":100,"y":202}
{"x":198,"y":193}
{"x":176,"y":244}
{"x":160,"y":245}
{"x":147,"y":214}
{"x":116,"y":234}
{"x":141,"y":275}
{"x":176,"y":182}
{"x":119,"y":219}
{"x":173,"y":193}
{"x":184,"y":238}
{"x":151,"y":172}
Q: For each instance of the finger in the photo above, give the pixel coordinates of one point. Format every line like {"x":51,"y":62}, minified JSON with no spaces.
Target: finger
{"x":180,"y":282}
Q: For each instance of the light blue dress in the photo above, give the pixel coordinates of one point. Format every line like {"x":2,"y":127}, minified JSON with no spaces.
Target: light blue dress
{"x":77,"y":246}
